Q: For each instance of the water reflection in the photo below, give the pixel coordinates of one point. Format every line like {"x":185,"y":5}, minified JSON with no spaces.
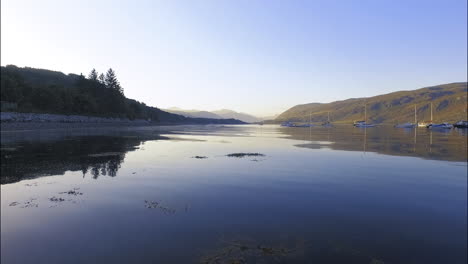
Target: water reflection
{"x":102,"y":155}
{"x":448,"y":145}
{"x":94,"y":156}
{"x":298,"y":205}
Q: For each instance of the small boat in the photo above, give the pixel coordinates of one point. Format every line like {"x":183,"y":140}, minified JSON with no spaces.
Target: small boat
{"x":409,"y":125}
{"x":327,"y":124}
{"x":287,"y":124}
{"x":461,"y":124}
{"x":441,"y":125}
{"x":356,"y":123}
{"x":307,"y":125}
{"x":363,"y":123}
{"x":290,"y":124}
{"x":303,"y":125}
{"x":426,"y":123}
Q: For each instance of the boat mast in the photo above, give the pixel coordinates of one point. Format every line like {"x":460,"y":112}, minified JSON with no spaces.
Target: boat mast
{"x":415,"y":119}
{"x":365,"y":113}
{"x":431,"y":113}
{"x":328,"y":116}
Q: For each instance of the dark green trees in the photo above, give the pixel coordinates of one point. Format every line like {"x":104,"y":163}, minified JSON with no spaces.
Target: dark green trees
{"x":44,"y":91}
{"x":111,"y":81}
{"x":101,"y":78}
{"x":93,"y":75}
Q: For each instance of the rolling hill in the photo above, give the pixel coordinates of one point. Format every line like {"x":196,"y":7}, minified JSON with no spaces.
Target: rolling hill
{"x":219,"y":114}
{"x":192,"y":113}
{"x":449,"y":103}
{"x":226,"y":113}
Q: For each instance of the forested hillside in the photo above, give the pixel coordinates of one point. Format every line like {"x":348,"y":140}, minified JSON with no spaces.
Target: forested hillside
{"x":44,"y":91}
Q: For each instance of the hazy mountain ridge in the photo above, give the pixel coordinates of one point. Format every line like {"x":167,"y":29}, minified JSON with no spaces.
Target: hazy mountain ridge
{"x":449,"y":104}
{"x":226,"y":113}
{"x":194,"y":113}
{"x":220,"y":114}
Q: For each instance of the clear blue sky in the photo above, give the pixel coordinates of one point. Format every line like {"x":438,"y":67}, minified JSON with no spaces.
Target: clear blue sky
{"x":260,"y":57}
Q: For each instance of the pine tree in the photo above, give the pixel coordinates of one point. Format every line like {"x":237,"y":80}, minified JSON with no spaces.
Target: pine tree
{"x":101,"y":78}
{"x":93,"y":75}
{"x":111,"y":81}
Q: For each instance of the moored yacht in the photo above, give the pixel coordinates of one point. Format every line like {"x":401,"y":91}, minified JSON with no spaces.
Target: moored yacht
{"x":327,"y":123}
{"x":461,"y":124}
{"x":287,"y":124}
{"x":441,"y":125}
{"x":426,"y":123}
{"x":363,"y":123}
{"x":409,"y":125}
{"x":290,"y":124}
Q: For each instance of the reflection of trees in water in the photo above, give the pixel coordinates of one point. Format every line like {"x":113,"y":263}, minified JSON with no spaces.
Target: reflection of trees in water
{"x":106,"y":168}
{"x":32,"y":160}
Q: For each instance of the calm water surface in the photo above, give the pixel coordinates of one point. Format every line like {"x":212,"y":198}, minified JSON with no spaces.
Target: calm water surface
{"x":318,"y":195}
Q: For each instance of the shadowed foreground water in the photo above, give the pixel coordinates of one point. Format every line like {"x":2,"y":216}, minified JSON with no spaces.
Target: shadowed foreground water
{"x":174,"y":195}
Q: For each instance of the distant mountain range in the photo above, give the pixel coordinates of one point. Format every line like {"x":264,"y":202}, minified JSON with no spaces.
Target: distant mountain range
{"x":449,"y":103}
{"x":218,"y":114}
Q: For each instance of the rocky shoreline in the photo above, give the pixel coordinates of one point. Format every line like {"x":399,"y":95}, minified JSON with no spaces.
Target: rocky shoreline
{"x":13,"y":121}
{"x":13,"y":117}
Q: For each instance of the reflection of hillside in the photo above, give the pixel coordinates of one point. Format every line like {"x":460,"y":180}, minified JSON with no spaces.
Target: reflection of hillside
{"x":438,"y":145}
{"x":29,"y":160}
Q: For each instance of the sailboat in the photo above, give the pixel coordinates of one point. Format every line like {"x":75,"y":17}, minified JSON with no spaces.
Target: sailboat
{"x":409,"y":125}
{"x":327,"y":124}
{"x":461,"y":124}
{"x":306,"y":125}
{"x":290,"y":124}
{"x":287,"y":124}
{"x":363,"y":123}
{"x":426,"y":123}
{"x":440,"y":125}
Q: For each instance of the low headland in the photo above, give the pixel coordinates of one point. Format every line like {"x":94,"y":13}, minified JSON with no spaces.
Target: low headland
{"x":44,"y":99}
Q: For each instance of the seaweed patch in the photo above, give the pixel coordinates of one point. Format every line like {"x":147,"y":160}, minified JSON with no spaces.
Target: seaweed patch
{"x":199,"y":157}
{"x":74,"y":191}
{"x":247,"y":154}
